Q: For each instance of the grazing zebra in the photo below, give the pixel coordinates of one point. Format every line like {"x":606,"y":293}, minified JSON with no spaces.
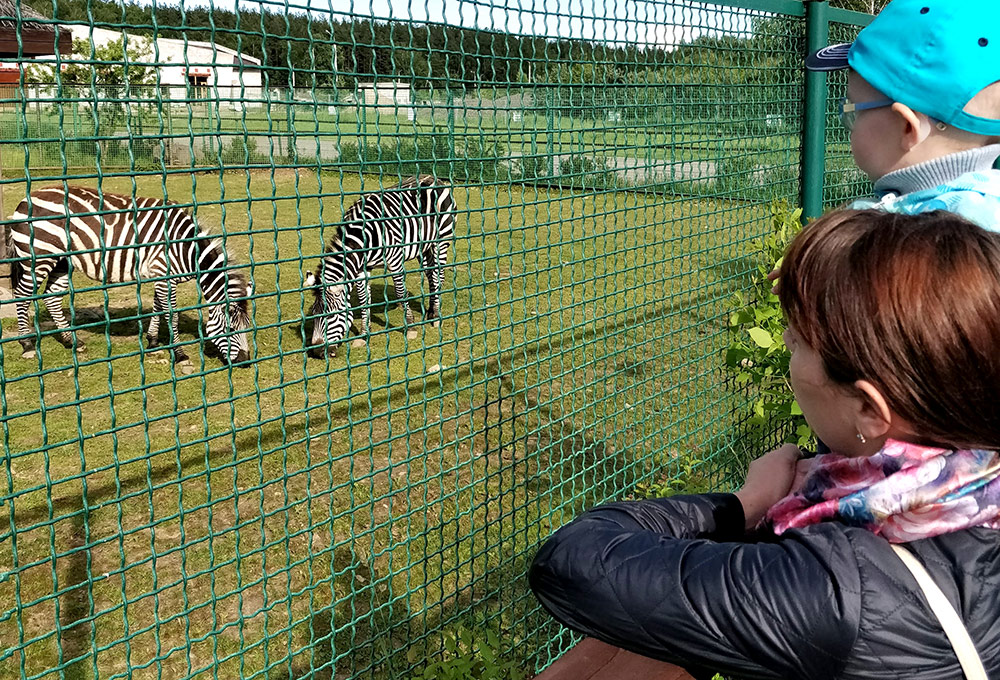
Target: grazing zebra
{"x":415,"y":218}
{"x":113,"y":239}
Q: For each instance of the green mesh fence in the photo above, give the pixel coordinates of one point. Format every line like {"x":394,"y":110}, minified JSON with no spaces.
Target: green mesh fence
{"x":371,"y":514}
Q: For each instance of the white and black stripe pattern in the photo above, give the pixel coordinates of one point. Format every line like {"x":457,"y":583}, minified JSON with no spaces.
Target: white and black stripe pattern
{"x":113,"y":239}
{"x":415,"y":218}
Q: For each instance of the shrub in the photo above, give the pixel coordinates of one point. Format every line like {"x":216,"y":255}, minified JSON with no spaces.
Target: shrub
{"x":468,"y":655}
{"x":479,"y":160}
{"x":737,"y":174}
{"x":241,"y":152}
{"x":757,"y":356}
{"x":534,"y":167}
{"x":473,"y":159}
{"x":586,"y":171}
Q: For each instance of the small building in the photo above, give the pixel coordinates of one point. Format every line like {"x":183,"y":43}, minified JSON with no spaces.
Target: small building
{"x":192,"y":69}
{"x":390,"y":96}
{"x":37,"y":35}
{"x":38,"y":38}
{"x":24,"y":34}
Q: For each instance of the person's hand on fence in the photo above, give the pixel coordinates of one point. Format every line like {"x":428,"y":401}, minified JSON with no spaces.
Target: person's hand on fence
{"x":769,"y":479}
{"x":774,"y":275}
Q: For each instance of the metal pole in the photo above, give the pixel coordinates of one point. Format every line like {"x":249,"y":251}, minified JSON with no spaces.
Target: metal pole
{"x":4,"y":266}
{"x":451,"y":132}
{"x":814,"y":134}
{"x":550,"y":124}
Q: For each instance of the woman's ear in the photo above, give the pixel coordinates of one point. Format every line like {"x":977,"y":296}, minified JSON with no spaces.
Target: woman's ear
{"x":916,"y":127}
{"x":874,"y":417}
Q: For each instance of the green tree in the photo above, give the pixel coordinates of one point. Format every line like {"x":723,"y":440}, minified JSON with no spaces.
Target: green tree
{"x":110,"y":77}
{"x":867,"y":6}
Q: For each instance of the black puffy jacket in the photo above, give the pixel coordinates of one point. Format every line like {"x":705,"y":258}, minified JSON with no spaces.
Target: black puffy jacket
{"x":676,"y":579}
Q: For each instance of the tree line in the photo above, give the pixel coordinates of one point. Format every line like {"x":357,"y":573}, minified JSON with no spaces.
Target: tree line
{"x":320,"y":50}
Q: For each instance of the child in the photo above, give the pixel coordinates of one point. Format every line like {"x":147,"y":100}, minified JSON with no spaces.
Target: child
{"x":923,"y":106}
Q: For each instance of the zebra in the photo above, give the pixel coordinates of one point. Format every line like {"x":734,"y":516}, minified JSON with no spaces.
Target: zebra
{"x":415,"y":218}
{"x":112,"y":239}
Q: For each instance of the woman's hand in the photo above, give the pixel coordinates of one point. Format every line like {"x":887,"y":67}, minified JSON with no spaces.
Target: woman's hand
{"x":769,"y":479}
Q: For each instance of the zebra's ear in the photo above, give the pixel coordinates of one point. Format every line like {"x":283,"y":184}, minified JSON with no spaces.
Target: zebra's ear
{"x":249,"y":289}
{"x":310,"y":281}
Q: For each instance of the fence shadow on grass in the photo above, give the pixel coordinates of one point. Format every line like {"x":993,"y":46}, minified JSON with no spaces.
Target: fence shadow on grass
{"x":373,"y":634}
{"x":74,"y":629}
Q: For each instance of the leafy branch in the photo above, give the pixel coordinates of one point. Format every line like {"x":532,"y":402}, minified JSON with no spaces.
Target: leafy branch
{"x":757,"y":356}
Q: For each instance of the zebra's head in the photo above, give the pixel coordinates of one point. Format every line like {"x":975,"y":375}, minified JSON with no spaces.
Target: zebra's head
{"x":230,"y":321}
{"x":331,"y":313}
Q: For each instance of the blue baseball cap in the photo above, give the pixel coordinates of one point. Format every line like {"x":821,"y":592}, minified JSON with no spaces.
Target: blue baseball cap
{"x":932,"y":55}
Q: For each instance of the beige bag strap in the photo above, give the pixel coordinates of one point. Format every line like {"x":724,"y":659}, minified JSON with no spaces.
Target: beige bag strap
{"x":968,"y":657}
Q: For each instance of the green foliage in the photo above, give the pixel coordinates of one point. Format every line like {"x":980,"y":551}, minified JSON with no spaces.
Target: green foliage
{"x":586,"y":171}
{"x":736,"y":173}
{"x":241,"y":153}
{"x":472,"y":159}
{"x":468,"y":655}
{"x":757,"y":356}
{"x":106,"y":65}
{"x":534,"y":167}
{"x":867,"y":6}
{"x":110,"y":75}
{"x":478,"y":159}
{"x":685,"y":475}
{"x":343,"y":53}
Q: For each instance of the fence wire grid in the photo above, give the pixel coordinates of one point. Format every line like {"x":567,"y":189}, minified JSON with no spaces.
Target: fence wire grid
{"x":369,"y":513}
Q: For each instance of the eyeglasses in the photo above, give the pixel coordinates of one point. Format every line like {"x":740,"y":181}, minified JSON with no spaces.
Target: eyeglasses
{"x":849,"y":110}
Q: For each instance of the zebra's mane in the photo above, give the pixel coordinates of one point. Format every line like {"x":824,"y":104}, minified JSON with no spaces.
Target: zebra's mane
{"x":210,"y":242}
{"x":421,"y":181}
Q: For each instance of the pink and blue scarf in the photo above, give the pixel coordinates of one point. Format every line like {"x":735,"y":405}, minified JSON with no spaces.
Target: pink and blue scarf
{"x":903,"y":493}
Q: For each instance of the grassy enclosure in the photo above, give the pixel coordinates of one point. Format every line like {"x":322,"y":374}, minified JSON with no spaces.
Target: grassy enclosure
{"x":338,"y":515}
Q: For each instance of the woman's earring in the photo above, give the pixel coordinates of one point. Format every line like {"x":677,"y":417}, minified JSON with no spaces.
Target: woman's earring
{"x":862,"y":438}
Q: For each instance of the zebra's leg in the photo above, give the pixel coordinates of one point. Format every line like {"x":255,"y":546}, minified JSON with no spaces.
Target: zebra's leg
{"x":434,"y":260}
{"x":159,"y":307}
{"x":399,"y":284}
{"x":363,"y":289}
{"x":57,"y":286}
{"x":164,"y":302}
{"x":179,"y":354}
{"x":25,"y":287}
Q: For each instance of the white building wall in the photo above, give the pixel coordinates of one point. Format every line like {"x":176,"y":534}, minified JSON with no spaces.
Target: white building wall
{"x":179,"y":61}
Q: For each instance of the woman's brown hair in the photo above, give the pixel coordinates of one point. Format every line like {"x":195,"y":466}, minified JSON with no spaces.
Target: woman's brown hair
{"x":910,"y":303}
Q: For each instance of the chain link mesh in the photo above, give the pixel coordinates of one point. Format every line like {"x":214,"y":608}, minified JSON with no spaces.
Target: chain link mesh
{"x":365,"y":515}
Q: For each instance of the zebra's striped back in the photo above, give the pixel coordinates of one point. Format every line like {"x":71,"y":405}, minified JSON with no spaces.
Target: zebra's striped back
{"x":113,"y":239}
{"x":109,"y":237}
{"x":393,"y":225}
{"x":414,"y":219}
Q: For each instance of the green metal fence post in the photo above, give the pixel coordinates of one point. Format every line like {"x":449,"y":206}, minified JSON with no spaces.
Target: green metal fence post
{"x":451,"y":132}
{"x":170,"y":128}
{"x":814,"y":133}
{"x":290,"y":122}
{"x":550,"y":124}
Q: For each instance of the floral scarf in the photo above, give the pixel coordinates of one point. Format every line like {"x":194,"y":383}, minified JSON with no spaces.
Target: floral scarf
{"x":903,"y":493}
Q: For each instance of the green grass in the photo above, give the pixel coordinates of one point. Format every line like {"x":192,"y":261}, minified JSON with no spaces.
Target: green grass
{"x":343,"y":513}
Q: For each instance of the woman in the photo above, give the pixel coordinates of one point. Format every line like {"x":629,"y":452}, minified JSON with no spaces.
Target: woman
{"x":894,"y":329}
